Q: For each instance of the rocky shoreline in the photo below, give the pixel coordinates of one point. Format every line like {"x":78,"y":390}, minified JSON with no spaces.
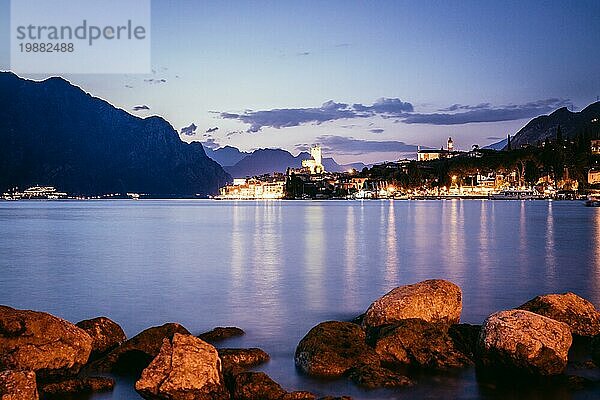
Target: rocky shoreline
{"x":411,"y":328}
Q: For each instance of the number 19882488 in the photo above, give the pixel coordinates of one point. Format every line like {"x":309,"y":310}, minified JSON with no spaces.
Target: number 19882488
{"x":46,"y":47}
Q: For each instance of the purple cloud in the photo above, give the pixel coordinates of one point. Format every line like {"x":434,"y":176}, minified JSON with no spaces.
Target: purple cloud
{"x":141,"y":108}
{"x":352,"y":146}
{"x":189,"y":130}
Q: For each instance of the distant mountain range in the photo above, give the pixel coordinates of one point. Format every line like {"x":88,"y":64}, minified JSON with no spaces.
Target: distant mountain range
{"x":53,"y":133}
{"x":266,"y":161}
{"x":545,"y":126}
{"x":226,"y":156}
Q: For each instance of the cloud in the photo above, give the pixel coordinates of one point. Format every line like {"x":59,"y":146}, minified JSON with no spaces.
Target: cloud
{"x":304,"y":53}
{"x":140,"y":108}
{"x":351,"y":146}
{"x":329,"y":111}
{"x":400,"y":111}
{"x":377,"y":130}
{"x":211,"y":144}
{"x":487,"y":113}
{"x":189,"y":130}
{"x":211,"y":130}
{"x":457,"y":107}
{"x":155,"y":81}
{"x":493,"y":138}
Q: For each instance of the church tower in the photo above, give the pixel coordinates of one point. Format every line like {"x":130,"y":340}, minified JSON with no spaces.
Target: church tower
{"x":450,"y":144}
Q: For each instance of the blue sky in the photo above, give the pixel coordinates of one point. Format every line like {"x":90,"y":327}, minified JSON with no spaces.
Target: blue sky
{"x":286,"y":74}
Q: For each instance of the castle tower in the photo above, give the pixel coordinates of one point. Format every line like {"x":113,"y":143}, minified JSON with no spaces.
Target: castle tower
{"x":450,"y":144}
{"x":315,"y":153}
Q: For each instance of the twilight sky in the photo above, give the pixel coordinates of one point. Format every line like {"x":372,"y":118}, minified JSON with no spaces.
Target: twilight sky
{"x":367,"y":80}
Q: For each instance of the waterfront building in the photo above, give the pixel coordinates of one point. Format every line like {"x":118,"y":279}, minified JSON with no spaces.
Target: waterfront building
{"x":434,"y":154}
{"x":594,"y":176}
{"x":253,"y":189}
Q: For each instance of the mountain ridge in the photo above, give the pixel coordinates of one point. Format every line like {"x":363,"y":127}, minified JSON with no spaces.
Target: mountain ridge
{"x":55,"y":133}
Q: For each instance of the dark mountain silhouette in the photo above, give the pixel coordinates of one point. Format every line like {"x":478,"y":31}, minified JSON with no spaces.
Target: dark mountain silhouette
{"x":53,"y":133}
{"x":226,"y":156}
{"x":545,"y":126}
{"x":267,"y":161}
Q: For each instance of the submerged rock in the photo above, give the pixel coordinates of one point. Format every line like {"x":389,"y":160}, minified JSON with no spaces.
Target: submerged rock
{"x":77,"y":385}
{"x":432,"y":301}
{"x":185,"y":368}
{"x":105,"y":333}
{"x":221,"y":333}
{"x":524,"y":341}
{"x":332,"y":348}
{"x":419,"y":343}
{"x":40,"y":342}
{"x":242,"y":358}
{"x":256,"y":386}
{"x":136,"y":353}
{"x":581,"y":315}
{"x":374,"y":376}
{"x":18,"y":385}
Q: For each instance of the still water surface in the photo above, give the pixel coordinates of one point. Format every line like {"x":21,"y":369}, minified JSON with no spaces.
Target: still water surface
{"x":276,"y":269}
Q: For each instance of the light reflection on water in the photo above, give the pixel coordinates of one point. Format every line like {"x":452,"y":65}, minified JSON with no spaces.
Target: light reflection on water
{"x":278,"y":268}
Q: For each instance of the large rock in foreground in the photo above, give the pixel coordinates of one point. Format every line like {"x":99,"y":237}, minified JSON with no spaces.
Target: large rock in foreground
{"x":575,"y":311}
{"x":40,"y":342}
{"x":332,"y":348}
{"x":105,"y":333}
{"x":432,"y":301}
{"x":186,"y":368}
{"x":419,"y":343}
{"x":523,"y":341}
{"x":18,"y":385}
{"x":135,"y":354}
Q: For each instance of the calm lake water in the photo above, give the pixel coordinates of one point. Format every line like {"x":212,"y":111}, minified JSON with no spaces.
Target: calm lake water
{"x":276,"y":269}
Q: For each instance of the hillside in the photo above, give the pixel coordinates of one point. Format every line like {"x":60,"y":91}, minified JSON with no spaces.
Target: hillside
{"x":545,"y":126}
{"x":53,"y":133}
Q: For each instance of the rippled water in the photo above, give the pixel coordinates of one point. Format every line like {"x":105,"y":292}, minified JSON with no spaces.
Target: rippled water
{"x":278,"y":268}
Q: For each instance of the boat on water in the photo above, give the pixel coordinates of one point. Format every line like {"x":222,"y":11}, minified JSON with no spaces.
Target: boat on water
{"x":514,"y":194}
{"x":593,"y":201}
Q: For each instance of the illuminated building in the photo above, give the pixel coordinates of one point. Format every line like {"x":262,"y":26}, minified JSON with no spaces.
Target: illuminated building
{"x":434,"y":154}
{"x":595,"y":145}
{"x":314,"y":165}
{"x":253,"y":189}
{"x":594,"y":176}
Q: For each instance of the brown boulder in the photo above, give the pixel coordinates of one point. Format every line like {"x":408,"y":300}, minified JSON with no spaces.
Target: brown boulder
{"x":419,"y":343}
{"x":581,"y":315}
{"x":186,"y":368}
{"x":523,"y":341}
{"x":221,"y":333}
{"x":256,"y":386}
{"x":105,"y":333}
{"x":332,"y":348}
{"x":373,"y":377}
{"x":465,"y":338}
{"x":432,"y":301}
{"x":136,"y":353}
{"x":77,"y":385}
{"x":242,"y":358}
{"x":40,"y":342}
{"x":299,"y":395}
{"x":18,"y":385}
